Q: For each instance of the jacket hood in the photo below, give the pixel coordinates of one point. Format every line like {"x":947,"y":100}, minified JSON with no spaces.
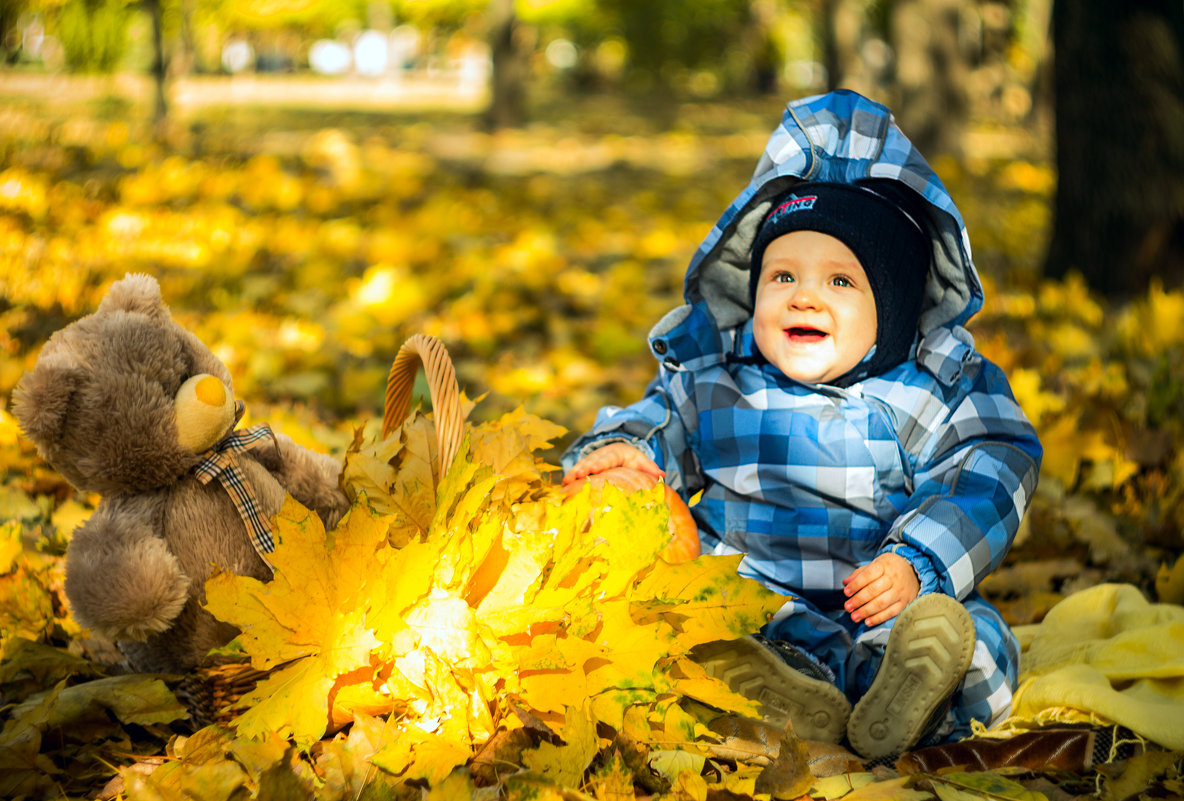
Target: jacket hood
{"x":841,"y":137}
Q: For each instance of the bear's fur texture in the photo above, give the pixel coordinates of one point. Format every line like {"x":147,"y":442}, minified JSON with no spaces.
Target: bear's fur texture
{"x":99,"y":406}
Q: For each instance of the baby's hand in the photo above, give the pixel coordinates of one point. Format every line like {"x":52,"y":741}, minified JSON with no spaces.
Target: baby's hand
{"x":878,"y":591}
{"x":616,"y":454}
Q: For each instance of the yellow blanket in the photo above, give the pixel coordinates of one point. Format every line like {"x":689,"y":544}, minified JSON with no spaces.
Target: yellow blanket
{"x":1106,"y":655}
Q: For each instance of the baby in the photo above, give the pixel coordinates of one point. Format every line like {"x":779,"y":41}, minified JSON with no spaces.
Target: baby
{"x":820,"y":391}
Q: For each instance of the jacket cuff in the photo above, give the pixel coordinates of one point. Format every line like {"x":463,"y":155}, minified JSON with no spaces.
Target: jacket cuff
{"x":926,"y":573}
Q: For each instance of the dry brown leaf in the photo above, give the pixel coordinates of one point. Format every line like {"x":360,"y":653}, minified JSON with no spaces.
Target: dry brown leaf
{"x":789,"y":775}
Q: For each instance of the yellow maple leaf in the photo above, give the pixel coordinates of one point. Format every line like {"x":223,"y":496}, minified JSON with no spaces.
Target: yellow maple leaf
{"x":310,"y":612}
{"x":705,"y":598}
{"x":632,"y":648}
{"x":456,"y":786}
{"x":690,"y":680}
{"x":565,"y":764}
{"x":397,"y":474}
{"x":613,"y":781}
{"x":291,"y":702}
{"x":418,"y":754}
{"x":508,"y":443}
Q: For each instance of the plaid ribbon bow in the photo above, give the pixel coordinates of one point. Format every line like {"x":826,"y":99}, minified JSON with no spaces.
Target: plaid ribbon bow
{"x":219,"y":462}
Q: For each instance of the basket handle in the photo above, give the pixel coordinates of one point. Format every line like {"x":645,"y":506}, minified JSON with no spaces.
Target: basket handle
{"x":429,"y":352}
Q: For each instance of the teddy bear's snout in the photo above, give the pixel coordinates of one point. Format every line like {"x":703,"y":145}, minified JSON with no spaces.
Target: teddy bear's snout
{"x":210,"y":391}
{"x":205,"y":412}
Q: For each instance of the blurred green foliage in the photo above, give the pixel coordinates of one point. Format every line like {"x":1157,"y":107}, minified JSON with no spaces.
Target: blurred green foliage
{"x":94,"y":33}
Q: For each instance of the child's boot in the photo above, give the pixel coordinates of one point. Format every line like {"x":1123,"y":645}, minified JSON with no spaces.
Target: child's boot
{"x":928,"y":653}
{"x":784,"y":681}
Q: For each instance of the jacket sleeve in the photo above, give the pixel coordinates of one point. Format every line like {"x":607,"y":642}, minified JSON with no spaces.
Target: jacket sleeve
{"x":971,"y":492}
{"x":653,"y":425}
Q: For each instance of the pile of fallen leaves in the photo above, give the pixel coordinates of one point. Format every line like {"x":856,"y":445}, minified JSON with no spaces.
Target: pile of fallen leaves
{"x":486,"y":606}
{"x":476,"y":636}
{"x":484,"y":624}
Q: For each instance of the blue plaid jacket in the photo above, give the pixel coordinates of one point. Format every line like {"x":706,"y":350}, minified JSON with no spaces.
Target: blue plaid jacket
{"x":933,"y":459}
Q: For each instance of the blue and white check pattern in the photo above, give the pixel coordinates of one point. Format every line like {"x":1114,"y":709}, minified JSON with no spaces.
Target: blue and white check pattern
{"x":933,"y":460}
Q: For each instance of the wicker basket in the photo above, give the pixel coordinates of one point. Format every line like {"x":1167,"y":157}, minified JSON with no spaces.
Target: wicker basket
{"x":445,"y":393}
{"x":210,"y":691}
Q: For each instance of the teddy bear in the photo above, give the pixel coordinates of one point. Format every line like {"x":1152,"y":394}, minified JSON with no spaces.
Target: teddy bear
{"x":128,"y":404}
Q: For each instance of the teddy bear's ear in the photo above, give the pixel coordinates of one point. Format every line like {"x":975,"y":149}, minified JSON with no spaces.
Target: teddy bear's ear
{"x":41,"y":400}
{"x":135,"y":292}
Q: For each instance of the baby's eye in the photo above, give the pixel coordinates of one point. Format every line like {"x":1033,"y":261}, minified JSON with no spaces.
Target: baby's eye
{"x":841,"y":280}
{"x":782,"y":278}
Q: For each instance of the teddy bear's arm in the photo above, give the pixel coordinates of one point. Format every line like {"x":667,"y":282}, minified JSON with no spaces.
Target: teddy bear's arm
{"x":121,"y":579}
{"x":312,"y":478}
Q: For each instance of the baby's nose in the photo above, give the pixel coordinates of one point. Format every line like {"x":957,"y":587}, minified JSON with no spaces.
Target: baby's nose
{"x":804,"y":297}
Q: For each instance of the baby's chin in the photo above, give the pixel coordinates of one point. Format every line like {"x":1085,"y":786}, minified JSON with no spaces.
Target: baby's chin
{"x":807,"y":373}
{"x":810,"y":371}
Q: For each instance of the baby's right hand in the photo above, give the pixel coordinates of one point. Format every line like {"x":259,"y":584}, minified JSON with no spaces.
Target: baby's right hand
{"x":616,"y":454}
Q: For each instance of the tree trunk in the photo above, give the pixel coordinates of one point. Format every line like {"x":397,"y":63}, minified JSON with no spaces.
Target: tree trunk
{"x":507,"y":106}
{"x":160,"y":108}
{"x":842,"y":34}
{"x":1119,"y":84}
{"x":931,"y":74}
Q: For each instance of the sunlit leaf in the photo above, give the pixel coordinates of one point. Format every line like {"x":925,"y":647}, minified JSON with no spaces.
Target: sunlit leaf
{"x":563,"y":606}
{"x":312,"y":612}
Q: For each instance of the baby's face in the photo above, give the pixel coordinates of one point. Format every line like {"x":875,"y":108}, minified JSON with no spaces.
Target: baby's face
{"x":815,"y":315}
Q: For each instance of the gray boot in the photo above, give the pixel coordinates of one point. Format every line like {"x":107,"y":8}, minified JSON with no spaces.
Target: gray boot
{"x":787,"y":684}
{"x":928,"y":653}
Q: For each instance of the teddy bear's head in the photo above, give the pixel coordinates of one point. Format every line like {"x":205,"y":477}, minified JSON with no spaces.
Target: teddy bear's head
{"x":125,"y":400}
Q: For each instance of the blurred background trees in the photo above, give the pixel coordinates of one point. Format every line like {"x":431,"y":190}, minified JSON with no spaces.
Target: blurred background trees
{"x":1117,"y":83}
{"x":1114,"y":90}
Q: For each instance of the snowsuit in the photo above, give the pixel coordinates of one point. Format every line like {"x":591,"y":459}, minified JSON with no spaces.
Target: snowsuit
{"x":932,"y":460}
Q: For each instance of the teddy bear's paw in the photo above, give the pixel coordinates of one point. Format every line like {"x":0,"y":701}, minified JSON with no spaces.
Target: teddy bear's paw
{"x":129,"y":596}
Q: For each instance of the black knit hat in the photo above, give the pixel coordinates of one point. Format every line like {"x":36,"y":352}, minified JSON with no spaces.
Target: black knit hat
{"x":883,"y":226}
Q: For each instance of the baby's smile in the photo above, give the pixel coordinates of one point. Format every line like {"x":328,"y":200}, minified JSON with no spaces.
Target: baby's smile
{"x":805,"y":335}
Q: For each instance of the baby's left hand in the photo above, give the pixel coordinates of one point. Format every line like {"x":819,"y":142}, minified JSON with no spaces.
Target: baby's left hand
{"x":879,"y":590}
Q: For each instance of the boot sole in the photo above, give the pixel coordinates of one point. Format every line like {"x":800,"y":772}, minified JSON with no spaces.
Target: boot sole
{"x":927,"y":655}
{"x":818,"y":709}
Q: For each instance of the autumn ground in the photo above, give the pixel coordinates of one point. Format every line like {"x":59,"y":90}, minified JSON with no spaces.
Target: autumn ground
{"x":305,"y":244}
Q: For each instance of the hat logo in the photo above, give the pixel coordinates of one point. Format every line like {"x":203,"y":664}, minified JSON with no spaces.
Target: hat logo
{"x":795,"y":203}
